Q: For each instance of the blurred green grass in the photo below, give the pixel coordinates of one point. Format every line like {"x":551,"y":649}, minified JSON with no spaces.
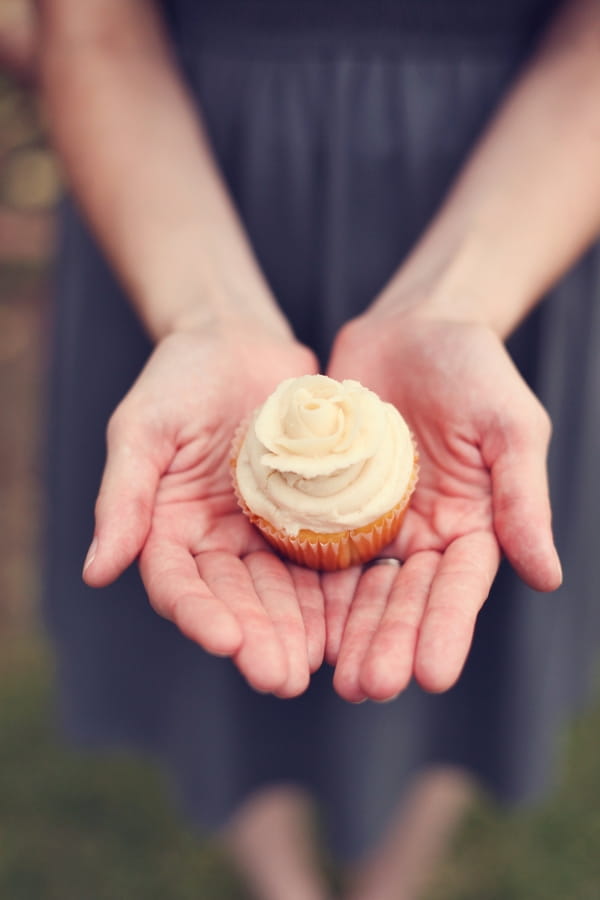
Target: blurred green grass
{"x":547,"y":853}
{"x":78,"y":825}
{"x":82,"y":825}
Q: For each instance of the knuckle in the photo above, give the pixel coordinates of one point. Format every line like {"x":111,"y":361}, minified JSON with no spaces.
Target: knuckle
{"x":164,"y":603}
{"x":116,"y":425}
{"x":350,"y":338}
{"x":99,"y":504}
{"x":128,"y":424}
{"x":544,"y":423}
{"x":530,"y":425}
{"x":538,"y":423}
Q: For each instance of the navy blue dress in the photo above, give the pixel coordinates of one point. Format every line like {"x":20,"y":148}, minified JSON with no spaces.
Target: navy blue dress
{"x":339,"y":127}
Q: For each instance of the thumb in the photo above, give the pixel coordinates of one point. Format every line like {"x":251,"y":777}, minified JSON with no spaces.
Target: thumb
{"x":522,"y":513}
{"x":125,"y":504}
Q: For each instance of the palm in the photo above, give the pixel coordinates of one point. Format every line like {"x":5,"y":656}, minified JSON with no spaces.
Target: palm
{"x":203,"y":565}
{"x":482,"y":440}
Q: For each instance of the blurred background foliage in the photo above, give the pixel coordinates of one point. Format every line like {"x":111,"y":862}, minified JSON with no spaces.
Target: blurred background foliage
{"x":91,"y":826}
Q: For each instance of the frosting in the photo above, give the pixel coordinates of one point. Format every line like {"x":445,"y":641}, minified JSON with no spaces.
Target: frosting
{"x":325,"y":456}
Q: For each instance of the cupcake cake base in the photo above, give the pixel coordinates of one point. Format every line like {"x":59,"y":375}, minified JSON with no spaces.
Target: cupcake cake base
{"x":338,"y":550}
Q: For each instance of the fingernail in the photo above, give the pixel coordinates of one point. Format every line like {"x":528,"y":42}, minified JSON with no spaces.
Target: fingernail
{"x":556,"y":563}
{"x":559,"y":571}
{"x":91,"y":554}
{"x":559,"y":568}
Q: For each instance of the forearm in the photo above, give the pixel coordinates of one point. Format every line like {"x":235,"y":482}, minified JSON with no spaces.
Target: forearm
{"x":527,"y":202}
{"x":138,"y":161}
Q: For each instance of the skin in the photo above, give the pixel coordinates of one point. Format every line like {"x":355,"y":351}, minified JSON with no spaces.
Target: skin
{"x":203,"y":564}
{"x":482,"y":490}
{"x":481,"y":265}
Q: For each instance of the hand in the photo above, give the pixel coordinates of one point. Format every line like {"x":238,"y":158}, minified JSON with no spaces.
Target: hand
{"x":166,"y":495}
{"x":482,"y":439}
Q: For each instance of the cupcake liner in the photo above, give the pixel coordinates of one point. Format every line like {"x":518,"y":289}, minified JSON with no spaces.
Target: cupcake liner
{"x":328,"y":552}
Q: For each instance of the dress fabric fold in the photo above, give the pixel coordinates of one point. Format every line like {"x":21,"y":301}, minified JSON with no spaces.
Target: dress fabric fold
{"x":337,"y":148}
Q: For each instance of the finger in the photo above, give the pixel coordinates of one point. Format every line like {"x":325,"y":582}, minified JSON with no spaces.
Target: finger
{"x":312,"y":606}
{"x":338,"y":591}
{"x":177,"y":593}
{"x":365,"y":614}
{"x":389,"y":661}
{"x":124,"y":505}
{"x":261,"y":658}
{"x":275,"y":588}
{"x":460,"y":587}
{"x":522,"y":513}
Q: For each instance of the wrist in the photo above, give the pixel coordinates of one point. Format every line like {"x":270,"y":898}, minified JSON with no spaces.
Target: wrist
{"x":207,"y":311}
{"x":466,"y":281}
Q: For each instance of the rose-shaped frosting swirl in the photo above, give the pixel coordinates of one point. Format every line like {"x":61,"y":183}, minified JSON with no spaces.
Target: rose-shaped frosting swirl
{"x":324,"y":455}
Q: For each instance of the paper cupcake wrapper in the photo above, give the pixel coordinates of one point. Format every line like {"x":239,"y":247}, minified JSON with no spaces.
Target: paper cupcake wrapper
{"x":329,"y":552}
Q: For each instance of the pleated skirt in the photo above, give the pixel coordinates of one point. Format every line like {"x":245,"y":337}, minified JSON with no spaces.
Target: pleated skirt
{"x":338,"y":146}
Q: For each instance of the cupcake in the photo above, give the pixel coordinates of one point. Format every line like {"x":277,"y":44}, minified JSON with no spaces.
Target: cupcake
{"x":325,"y":470}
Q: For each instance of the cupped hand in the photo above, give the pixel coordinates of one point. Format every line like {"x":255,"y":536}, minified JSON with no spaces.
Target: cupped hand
{"x":482,"y":438}
{"x":166,"y":496}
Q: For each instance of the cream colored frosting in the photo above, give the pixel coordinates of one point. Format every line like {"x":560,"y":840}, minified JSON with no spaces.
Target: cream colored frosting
{"x":324,"y":455}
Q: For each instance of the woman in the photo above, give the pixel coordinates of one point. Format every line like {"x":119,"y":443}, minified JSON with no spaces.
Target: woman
{"x":341,"y":150}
